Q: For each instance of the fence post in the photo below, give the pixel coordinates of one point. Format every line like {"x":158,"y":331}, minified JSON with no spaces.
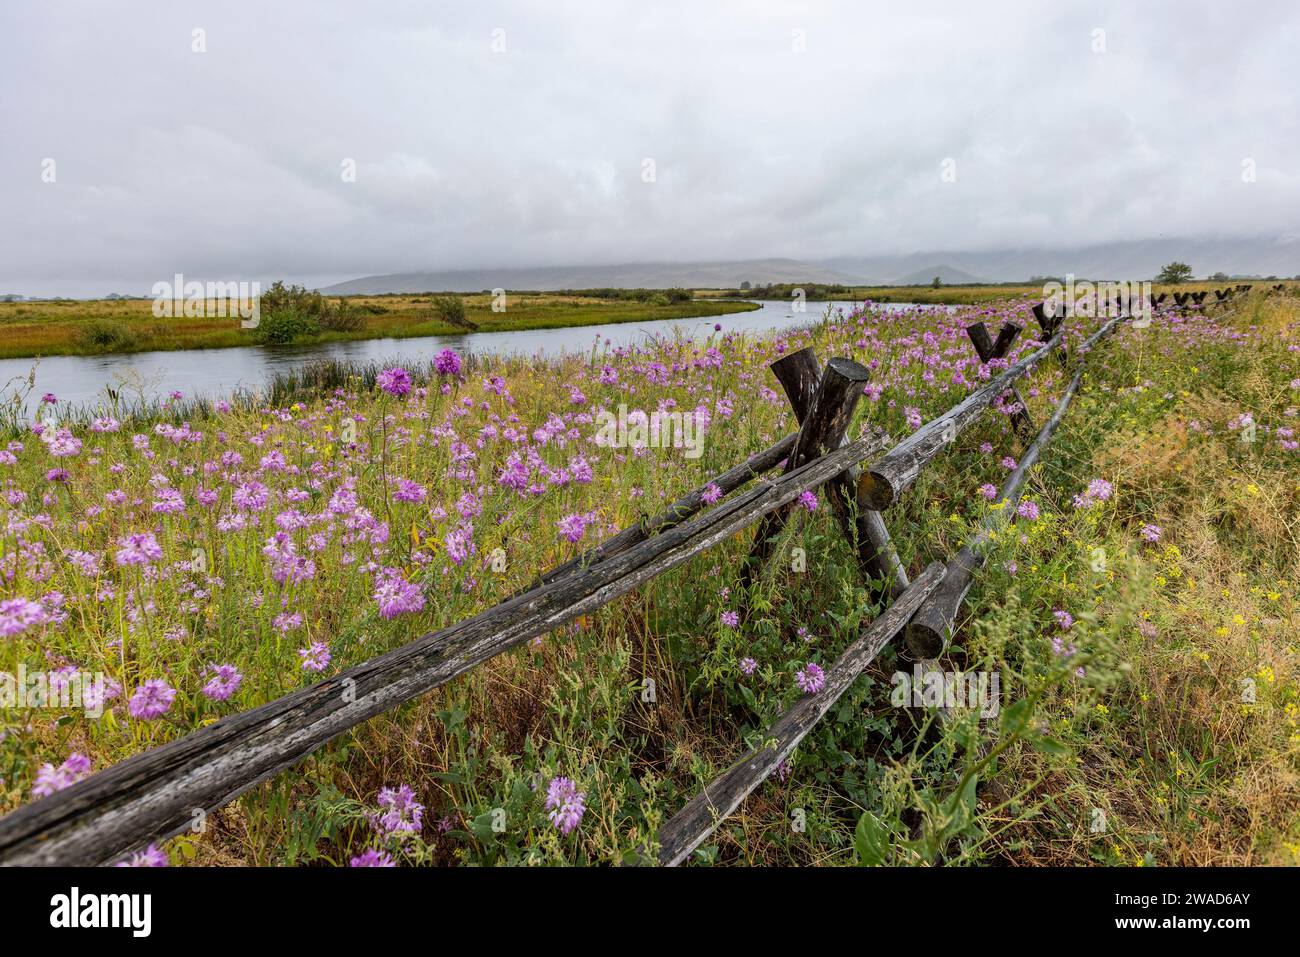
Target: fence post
{"x":798,"y":374}
{"x":989,"y":350}
{"x":823,"y":430}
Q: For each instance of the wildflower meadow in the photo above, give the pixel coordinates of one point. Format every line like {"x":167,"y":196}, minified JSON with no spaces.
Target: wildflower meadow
{"x":164,"y":567}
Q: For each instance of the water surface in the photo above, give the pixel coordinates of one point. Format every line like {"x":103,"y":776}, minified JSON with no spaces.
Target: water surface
{"x":216,"y":373}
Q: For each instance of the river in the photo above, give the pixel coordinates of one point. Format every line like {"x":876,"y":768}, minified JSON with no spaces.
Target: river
{"x":215,"y":373}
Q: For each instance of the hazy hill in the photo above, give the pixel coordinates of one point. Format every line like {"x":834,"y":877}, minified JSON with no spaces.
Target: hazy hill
{"x":1139,"y":259}
{"x":626,"y":275}
{"x":947,"y":275}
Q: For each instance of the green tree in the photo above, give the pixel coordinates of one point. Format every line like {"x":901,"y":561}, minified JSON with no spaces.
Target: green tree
{"x":1175,"y":272}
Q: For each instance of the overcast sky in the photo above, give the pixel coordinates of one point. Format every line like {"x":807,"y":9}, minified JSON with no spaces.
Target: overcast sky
{"x":775,"y":129}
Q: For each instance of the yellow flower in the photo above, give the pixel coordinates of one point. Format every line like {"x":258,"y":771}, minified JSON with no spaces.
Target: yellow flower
{"x":1266,"y":675}
{"x":1253,"y":489}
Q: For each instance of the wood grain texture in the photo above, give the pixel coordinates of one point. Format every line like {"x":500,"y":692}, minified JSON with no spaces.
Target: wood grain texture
{"x":988,"y":350}
{"x":153,"y":795}
{"x":690,"y":827}
{"x":678,"y":512}
{"x":798,"y":374}
{"x":825,"y":427}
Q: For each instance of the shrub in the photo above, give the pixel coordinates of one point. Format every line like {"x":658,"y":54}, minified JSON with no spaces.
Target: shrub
{"x":343,"y":318}
{"x":281,"y":326}
{"x":450,"y":309}
{"x":107,"y":335}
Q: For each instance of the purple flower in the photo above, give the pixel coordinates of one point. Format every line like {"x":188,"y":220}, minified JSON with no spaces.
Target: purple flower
{"x":251,"y":496}
{"x":62,"y":443}
{"x":168,"y":500}
{"x":710,"y":494}
{"x":19,"y":614}
{"x":459,"y":543}
{"x":565,"y":804}
{"x":57,"y":475}
{"x":400,"y":812}
{"x":1028,"y":509}
{"x":447,"y":363}
{"x":1151,"y":533}
{"x":408,"y":491}
{"x":1064,"y":619}
{"x":572,"y":527}
{"x":49,"y":398}
{"x":730,"y":618}
{"x":372,"y":858}
{"x":50,"y":779}
{"x":811,"y":679}
{"x":1099,"y":489}
{"x":989,"y":491}
{"x":149,"y":857}
{"x":809,"y":501}
{"x":153,"y":699}
{"x":141,"y":549}
{"x":224,"y":682}
{"x":395,"y":595}
{"x":395,"y":381}
{"x":316,"y":657}
{"x":748,"y":666}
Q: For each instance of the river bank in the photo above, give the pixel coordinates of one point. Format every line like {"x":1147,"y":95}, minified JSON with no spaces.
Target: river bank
{"x":67,"y":327}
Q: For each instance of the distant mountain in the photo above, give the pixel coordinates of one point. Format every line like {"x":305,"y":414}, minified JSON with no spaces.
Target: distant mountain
{"x":709,"y":275}
{"x":948,"y":275}
{"x":1138,"y":259}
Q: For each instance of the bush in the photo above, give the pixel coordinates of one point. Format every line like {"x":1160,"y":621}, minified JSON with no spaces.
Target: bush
{"x":293,"y":312}
{"x":107,"y":335}
{"x":343,"y":318}
{"x":281,"y":326}
{"x":450,"y":309}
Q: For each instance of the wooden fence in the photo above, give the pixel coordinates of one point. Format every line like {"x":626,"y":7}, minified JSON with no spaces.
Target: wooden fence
{"x":155,"y":794}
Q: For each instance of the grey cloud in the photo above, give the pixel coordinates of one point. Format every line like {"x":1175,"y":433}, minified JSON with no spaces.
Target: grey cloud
{"x":227,"y":163}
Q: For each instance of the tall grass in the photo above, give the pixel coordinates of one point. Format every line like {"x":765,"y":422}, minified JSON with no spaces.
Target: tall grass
{"x":1131,"y":706}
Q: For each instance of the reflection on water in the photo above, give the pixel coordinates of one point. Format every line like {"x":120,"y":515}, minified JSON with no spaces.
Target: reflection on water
{"x":220,"y":372}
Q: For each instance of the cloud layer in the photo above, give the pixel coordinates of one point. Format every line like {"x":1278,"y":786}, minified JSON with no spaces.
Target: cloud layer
{"x":494,"y":134}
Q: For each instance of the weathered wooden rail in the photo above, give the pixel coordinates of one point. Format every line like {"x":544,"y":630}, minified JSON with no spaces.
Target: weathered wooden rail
{"x":156,"y":794}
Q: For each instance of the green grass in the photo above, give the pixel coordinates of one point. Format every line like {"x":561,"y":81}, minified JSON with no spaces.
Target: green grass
{"x":69,"y":327}
{"x":1154,"y":733}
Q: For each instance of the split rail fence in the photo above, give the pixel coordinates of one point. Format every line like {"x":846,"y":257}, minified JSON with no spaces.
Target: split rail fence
{"x":155,"y":794}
